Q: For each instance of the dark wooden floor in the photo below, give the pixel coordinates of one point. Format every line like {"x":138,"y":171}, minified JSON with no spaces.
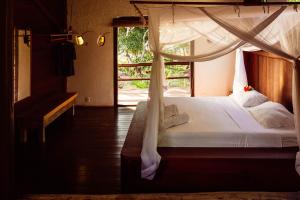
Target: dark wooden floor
{"x":81,"y":154}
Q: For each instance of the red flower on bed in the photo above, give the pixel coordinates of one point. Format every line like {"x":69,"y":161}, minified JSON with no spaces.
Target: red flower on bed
{"x":248,"y":88}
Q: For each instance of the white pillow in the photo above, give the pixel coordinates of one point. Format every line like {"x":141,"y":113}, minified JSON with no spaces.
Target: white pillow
{"x":273,"y":115}
{"x":249,"y":98}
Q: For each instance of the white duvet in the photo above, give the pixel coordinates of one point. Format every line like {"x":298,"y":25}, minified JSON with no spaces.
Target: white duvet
{"x":220,"y":122}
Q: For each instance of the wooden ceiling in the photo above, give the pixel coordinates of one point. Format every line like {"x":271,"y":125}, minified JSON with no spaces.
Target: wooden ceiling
{"x":41,"y":15}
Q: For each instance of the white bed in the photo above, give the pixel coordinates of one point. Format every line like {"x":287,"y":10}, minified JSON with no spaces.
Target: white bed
{"x":221,"y":122}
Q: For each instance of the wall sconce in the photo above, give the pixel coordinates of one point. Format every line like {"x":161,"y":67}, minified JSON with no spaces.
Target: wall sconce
{"x":101,"y":39}
{"x":78,"y":40}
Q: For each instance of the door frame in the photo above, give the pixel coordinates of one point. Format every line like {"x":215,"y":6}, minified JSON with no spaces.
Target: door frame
{"x":115,"y":38}
{"x":131,"y":22}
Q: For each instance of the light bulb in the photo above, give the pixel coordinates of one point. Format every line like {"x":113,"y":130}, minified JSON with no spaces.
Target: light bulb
{"x":101,"y":40}
{"x":78,"y":40}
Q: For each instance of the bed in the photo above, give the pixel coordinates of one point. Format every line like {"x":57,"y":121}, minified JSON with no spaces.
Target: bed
{"x":191,"y":169}
{"x":220,"y":122}
{"x":191,"y":164}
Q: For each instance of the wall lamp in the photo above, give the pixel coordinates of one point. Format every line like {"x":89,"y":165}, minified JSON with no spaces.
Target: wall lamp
{"x":78,"y":39}
{"x":101,"y":39}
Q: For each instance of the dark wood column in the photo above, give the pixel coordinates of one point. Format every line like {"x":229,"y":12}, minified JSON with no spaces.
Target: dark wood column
{"x":115,"y":33}
{"x":6,"y":106}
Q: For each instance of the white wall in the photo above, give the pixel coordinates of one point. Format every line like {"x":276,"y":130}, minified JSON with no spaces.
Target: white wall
{"x":94,"y":65}
{"x":215,"y":77}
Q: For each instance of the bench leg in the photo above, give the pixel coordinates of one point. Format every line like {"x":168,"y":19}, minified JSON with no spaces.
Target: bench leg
{"x":73,"y":109}
{"x":42,"y":134}
{"x":24,"y":135}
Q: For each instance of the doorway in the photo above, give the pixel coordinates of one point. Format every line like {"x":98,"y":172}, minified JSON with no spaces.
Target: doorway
{"x":133,"y":67}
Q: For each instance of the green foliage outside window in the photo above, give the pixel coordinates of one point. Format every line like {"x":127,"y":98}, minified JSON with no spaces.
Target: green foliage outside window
{"x":133,"y":47}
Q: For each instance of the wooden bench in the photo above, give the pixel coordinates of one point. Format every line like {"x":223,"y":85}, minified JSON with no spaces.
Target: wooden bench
{"x":43,"y":113}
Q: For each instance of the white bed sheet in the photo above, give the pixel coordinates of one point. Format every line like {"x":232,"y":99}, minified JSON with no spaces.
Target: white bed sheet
{"x":220,"y":122}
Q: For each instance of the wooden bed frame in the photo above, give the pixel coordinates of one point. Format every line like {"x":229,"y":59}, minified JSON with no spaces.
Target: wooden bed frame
{"x":271,"y":75}
{"x":208,"y":169}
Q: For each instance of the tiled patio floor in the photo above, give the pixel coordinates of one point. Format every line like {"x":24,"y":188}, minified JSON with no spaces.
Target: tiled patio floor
{"x":132,"y":96}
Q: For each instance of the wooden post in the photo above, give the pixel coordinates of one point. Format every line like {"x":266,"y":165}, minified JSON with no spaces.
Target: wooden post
{"x":6,"y":101}
{"x":115,"y":35}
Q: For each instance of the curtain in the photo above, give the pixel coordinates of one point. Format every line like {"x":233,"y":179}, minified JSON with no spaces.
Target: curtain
{"x":281,"y":38}
{"x":220,"y":31}
{"x":240,"y":76}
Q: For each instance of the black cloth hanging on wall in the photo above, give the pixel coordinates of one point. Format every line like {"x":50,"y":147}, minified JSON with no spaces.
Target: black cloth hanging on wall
{"x":66,"y":55}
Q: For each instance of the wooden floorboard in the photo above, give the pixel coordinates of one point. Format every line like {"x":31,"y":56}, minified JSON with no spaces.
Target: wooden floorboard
{"x":81,"y":154}
{"x":192,"y":196}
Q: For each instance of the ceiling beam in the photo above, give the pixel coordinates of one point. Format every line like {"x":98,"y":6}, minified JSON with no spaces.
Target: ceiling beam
{"x":213,"y":3}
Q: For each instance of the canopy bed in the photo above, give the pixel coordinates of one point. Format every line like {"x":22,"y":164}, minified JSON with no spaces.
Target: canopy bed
{"x":224,"y":146}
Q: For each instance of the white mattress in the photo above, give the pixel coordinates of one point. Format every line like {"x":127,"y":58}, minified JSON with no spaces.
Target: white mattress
{"x":220,"y":122}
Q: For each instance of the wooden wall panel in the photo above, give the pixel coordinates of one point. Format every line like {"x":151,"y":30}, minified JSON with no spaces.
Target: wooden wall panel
{"x":43,"y":18}
{"x":44,"y":78}
{"x":270,"y":75}
{"x":6,"y":99}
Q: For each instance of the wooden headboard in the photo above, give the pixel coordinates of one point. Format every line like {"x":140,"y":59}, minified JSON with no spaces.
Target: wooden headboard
{"x":271,"y":75}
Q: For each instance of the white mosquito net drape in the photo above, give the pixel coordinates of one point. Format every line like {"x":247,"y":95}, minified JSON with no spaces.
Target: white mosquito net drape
{"x":220,"y":31}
